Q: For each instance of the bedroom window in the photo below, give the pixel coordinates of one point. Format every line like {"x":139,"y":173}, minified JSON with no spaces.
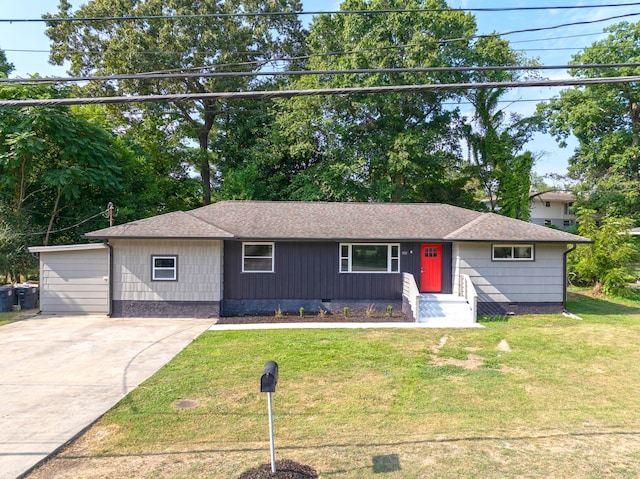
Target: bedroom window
{"x":369,"y":258}
{"x":164,"y":268}
{"x":257,"y":257}
{"x":515,"y":252}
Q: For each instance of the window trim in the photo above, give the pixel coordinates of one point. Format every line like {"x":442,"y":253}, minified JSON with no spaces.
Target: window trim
{"x":512,"y":246}
{"x":260,"y":243}
{"x":349,"y":258}
{"x":174,"y":257}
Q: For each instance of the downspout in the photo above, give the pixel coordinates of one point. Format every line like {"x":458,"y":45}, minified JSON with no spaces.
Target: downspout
{"x":110,"y":298}
{"x":564,"y":294}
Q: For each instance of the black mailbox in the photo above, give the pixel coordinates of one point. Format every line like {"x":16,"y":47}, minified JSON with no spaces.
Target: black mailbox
{"x":269,"y":378}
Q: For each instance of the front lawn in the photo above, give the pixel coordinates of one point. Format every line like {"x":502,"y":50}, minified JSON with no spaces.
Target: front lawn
{"x":533,"y":397}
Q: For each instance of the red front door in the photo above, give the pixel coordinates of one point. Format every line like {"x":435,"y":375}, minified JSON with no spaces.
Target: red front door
{"x":431,"y":268}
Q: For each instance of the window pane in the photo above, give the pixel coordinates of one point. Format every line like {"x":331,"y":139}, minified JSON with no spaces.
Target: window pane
{"x":164,"y":274}
{"x":394,"y":251}
{"x":257,"y":264}
{"x":344,"y":265}
{"x":522,"y":252}
{"x":257,"y":250}
{"x":164,"y":262}
{"x":345,"y":251}
{"x":394,"y":265}
{"x":502,"y":252}
{"x":369,"y":258}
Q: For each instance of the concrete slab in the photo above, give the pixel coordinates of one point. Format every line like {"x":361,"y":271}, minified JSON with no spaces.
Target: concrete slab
{"x":58,"y":374}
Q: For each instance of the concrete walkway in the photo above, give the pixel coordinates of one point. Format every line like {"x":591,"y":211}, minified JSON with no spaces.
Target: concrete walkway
{"x":58,"y":374}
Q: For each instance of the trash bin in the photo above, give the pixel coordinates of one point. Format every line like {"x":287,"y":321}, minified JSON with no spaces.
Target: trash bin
{"x":6,"y":298}
{"x":28,"y":296}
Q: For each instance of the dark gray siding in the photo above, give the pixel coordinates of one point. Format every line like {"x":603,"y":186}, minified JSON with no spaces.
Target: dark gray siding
{"x":309,"y":270}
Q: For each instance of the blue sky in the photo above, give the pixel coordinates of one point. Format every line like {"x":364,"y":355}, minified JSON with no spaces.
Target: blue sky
{"x":26,"y":45}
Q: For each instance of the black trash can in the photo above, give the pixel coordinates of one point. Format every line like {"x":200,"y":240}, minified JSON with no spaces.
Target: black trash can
{"x":7,"y":294}
{"x":28,"y":296}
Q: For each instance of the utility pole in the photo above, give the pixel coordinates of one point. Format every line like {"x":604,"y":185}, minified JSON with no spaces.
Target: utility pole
{"x":110,"y":208}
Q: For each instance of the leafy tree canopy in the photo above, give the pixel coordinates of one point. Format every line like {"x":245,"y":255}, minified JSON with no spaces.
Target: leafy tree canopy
{"x":605,"y":119}
{"x":201,"y":42}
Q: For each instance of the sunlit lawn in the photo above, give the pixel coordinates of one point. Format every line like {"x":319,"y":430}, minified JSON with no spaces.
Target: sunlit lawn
{"x":530,"y":397}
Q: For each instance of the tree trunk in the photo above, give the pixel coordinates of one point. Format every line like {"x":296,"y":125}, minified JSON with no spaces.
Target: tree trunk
{"x":53,"y":215}
{"x":203,"y":139}
{"x":205,"y":168}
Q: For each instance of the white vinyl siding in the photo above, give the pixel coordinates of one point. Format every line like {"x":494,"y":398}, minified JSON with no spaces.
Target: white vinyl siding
{"x":541,"y":280}
{"x":199,"y":277}
{"x":75,"y":281}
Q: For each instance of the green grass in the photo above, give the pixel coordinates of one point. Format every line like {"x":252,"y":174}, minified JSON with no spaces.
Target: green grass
{"x":13,"y":316}
{"x":563,"y":401}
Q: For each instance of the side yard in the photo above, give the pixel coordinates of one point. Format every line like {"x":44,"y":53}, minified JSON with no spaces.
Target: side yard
{"x":534,"y":396}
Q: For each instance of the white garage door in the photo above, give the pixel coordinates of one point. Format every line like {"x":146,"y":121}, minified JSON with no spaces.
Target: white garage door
{"x":74,"y":279}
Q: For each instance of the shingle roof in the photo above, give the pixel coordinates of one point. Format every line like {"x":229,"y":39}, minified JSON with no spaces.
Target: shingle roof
{"x":553,"y":196}
{"x":288,"y":220}
{"x":178,"y":224}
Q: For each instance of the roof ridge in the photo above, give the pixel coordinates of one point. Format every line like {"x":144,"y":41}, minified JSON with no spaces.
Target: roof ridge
{"x":190,"y":213}
{"x":465,"y":227}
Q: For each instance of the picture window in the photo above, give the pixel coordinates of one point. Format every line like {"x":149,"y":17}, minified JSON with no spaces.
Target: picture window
{"x":369,"y":258}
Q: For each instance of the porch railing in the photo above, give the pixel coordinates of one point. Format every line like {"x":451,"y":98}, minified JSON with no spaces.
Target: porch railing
{"x":468,"y":291}
{"x":411,"y":296}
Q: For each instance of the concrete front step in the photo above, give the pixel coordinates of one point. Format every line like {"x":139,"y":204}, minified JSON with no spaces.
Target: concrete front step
{"x":445,"y":309}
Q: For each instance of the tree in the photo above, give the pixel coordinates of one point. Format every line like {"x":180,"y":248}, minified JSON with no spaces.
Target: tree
{"x":605,"y":119}
{"x":190,"y":37}
{"x":495,"y":139}
{"x":382,"y":147}
{"x":607,"y":264}
{"x":50,"y":157}
{"x":5,"y":67}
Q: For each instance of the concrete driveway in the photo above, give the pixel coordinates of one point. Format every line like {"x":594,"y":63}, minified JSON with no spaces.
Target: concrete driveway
{"x":58,"y":374}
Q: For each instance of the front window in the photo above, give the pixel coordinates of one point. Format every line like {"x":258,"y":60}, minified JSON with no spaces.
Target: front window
{"x":164,"y":268}
{"x":519,"y":252}
{"x":257,"y":257}
{"x":369,"y":258}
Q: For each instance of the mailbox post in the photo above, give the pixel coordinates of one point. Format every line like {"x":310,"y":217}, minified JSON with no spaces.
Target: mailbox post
{"x":268,"y":383}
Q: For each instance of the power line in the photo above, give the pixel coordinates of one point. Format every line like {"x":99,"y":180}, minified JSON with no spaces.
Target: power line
{"x":417,"y":44}
{"x":295,"y":13}
{"x":40,"y":233}
{"x":315,"y":92}
{"x":166,"y":76}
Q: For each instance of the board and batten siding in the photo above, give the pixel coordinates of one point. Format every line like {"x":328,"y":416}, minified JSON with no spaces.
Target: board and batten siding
{"x":199,"y":270}
{"x":307,"y":270}
{"x":538,"y":281}
{"x":74,"y":281}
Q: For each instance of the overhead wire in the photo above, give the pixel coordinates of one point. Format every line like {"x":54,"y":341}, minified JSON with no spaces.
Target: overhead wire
{"x":315,"y":92}
{"x":52,"y":19}
{"x":165,"y":76}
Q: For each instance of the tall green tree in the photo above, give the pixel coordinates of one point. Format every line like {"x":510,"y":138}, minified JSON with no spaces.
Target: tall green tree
{"x":605,"y":119}
{"x":496,"y":139}
{"x":381,"y":147}
{"x":191,"y":37}
{"x":50,"y":158}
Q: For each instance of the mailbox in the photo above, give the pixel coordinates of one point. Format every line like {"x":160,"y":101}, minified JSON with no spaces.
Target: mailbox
{"x":269,"y":377}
